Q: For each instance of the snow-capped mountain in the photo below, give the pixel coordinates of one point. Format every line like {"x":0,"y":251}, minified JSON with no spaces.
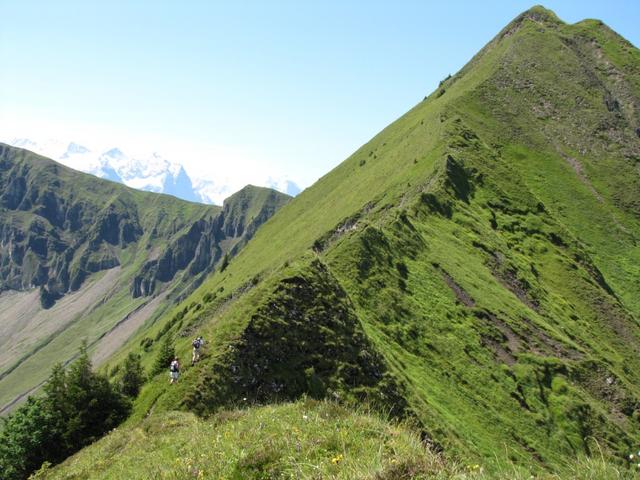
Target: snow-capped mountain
{"x":151,"y":172}
{"x":284,"y":185}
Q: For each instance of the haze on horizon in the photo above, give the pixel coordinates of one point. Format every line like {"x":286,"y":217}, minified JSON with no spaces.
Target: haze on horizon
{"x":241,"y":92}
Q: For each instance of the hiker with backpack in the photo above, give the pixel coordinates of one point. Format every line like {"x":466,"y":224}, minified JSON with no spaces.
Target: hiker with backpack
{"x":197,"y":344}
{"x":174,"y":370}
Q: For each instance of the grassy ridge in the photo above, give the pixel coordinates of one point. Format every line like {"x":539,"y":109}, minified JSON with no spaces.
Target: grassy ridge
{"x":486,"y":242}
{"x":302,"y":440}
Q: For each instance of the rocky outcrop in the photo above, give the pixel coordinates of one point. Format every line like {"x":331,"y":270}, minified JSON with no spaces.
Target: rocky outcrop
{"x":58,"y":226}
{"x":45,"y":253}
{"x":305,"y":338}
{"x":207,"y":241}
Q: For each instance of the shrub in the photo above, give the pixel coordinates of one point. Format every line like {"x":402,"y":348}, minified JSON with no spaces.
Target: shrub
{"x":225,"y":262}
{"x":133,"y":377}
{"x":165,"y":355}
{"x":78,"y":406}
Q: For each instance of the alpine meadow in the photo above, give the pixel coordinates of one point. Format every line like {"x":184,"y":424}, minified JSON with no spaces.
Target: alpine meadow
{"x":456,"y":300}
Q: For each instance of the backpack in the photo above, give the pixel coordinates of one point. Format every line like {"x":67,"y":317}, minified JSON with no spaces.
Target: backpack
{"x":174,"y":366}
{"x":196,"y":343}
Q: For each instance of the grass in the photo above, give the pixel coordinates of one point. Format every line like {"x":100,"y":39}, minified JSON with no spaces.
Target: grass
{"x":301,"y":440}
{"x":161,"y":223}
{"x":306,"y":439}
{"x":483,"y":248}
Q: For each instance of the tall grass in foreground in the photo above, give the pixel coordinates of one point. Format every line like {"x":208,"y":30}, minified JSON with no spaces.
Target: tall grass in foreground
{"x":301,"y":440}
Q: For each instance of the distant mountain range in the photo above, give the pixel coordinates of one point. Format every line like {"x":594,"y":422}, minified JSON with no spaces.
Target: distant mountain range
{"x":82,"y":257}
{"x":152,"y":172}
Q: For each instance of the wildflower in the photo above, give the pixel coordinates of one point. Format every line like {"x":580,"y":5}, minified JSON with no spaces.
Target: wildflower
{"x":304,"y":417}
{"x":337,"y":459}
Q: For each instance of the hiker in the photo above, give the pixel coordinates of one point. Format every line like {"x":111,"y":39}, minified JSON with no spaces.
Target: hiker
{"x":197,"y":344}
{"x":174,"y":370}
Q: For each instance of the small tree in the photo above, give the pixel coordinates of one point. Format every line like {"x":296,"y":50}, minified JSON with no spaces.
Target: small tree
{"x":26,"y":438}
{"x":133,"y":376}
{"x":78,"y":406}
{"x":92,"y":405}
{"x":56,"y":403}
{"x":165,"y":355}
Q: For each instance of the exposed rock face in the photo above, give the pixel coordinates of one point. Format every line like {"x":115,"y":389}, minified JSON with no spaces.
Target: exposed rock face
{"x":304,"y":338}
{"x":44,"y":228}
{"x":199,"y":249}
{"x":58,"y":226}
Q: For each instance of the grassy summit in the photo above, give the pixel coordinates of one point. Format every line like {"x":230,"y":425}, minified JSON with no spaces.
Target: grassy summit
{"x":474,"y":267}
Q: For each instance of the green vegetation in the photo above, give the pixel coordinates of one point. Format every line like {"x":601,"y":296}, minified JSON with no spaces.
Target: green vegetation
{"x":487,"y":246}
{"x":302,"y":440}
{"x":104,"y":260}
{"x":473,"y":269}
{"x":77,"y":408}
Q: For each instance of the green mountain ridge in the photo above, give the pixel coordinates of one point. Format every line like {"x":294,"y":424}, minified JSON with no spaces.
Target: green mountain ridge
{"x":487,"y":242}
{"x":474,"y":267}
{"x":305,"y":439}
{"x":110,"y":256}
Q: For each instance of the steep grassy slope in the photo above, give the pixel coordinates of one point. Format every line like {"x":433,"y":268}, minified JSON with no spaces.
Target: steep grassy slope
{"x":301,"y":440}
{"x":83,"y":257}
{"x":474,"y":266}
{"x":306,"y":439}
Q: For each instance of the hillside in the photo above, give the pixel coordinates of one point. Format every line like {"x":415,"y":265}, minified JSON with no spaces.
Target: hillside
{"x":473,"y":269}
{"x":475,"y":266}
{"x":306,"y":439}
{"x":84,"y":257}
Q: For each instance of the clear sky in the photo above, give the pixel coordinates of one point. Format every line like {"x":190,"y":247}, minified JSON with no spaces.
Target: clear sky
{"x":283,"y":87}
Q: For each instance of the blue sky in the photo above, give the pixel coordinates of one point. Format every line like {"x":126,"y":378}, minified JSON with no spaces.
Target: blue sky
{"x":290,"y":88}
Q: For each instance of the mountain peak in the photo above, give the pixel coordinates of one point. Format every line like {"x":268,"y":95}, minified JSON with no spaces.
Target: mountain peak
{"x":537,"y":14}
{"x":74,"y":149}
{"x":114,"y":153}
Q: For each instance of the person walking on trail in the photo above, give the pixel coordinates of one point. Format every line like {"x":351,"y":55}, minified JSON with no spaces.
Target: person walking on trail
{"x":197,"y":345}
{"x":174,"y":370}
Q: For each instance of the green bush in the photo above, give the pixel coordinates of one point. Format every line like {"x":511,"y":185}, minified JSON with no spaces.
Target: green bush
{"x":77,"y":408}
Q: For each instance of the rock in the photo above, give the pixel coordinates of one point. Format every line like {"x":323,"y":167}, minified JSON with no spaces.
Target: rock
{"x":47,"y":298}
{"x":14,"y":193}
{"x":58,"y":227}
{"x":612,"y":104}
